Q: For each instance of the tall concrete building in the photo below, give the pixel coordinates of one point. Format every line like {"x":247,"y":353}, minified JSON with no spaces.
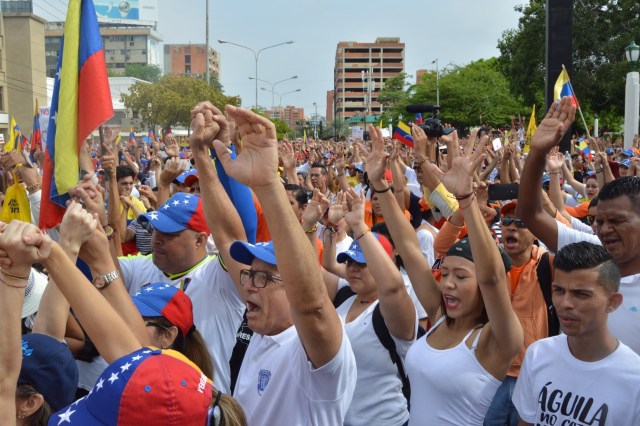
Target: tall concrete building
{"x":22,"y":63}
{"x":360,"y":72}
{"x":190,"y":59}
{"x":125,"y":43}
{"x":289,"y":114}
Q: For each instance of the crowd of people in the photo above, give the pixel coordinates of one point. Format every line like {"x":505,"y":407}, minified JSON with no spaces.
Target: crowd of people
{"x":246,"y":280}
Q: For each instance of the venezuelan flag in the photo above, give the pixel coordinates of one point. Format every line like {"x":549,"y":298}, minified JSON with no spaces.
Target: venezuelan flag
{"x":418,"y":119}
{"x":583,"y":146}
{"x":81,"y":102}
{"x":132,"y":138}
{"x":403,"y":133}
{"x":36,"y":136}
{"x":563,"y":87}
{"x":152,"y":136}
{"x":14,"y":136}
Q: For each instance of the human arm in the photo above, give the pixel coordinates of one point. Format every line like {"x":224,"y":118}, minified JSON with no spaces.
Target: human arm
{"x":317,"y":323}
{"x":287,"y":155}
{"x":222,"y":218}
{"x":505,"y":337}
{"x":403,"y":234}
{"x":396,"y":306}
{"x":329,"y":262}
{"x":551,"y":130}
{"x":172,"y":169}
{"x":579,"y":187}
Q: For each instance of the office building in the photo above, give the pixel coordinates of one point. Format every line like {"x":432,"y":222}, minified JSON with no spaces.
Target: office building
{"x":190,"y":59}
{"x":360,"y":72}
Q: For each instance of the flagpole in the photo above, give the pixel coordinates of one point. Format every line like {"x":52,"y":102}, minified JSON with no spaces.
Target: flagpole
{"x":579,"y":108}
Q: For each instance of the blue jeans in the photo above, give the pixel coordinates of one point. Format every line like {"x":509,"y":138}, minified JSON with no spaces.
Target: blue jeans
{"x":502,"y":411}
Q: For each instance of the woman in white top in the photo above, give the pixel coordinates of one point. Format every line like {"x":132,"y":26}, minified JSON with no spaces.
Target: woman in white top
{"x":456,"y":369}
{"x":375,"y":280}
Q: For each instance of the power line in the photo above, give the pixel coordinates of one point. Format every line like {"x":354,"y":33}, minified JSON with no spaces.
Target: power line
{"x":63,"y":13}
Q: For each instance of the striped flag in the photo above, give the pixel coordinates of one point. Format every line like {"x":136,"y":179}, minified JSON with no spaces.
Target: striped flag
{"x":36,"y":136}
{"x":15,"y":136}
{"x":402,"y":132}
{"x":81,"y":102}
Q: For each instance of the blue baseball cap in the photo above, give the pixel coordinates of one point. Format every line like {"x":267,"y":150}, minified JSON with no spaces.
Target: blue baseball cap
{"x":184,"y":175}
{"x":628,"y":152}
{"x":180,"y":212}
{"x":359,"y":167}
{"x":355,"y":251}
{"x":245,"y":252}
{"x":625,"y":163}
{"x":610,"y":151}
{"x":48,"y":366}
{"x":165,"y":300}
{"x":144,"y":387}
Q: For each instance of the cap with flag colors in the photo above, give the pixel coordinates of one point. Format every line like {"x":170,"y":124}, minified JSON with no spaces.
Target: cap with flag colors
{"x":81,"y":102}
{"x":418,"y":119}
{"x":402,"y":132}
{"x":563,"y":88}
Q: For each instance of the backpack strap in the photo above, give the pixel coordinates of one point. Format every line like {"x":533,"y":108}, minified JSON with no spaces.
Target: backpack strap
{"x":343,"y":294}
{"x":545,"y":277}
{"x":385,"y":338}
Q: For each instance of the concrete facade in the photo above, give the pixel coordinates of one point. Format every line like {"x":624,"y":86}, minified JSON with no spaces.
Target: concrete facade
{"x":123,"y":45}
{"x":26,"y":81}
{"x":190,"y":59}
{"x":360,"y":72}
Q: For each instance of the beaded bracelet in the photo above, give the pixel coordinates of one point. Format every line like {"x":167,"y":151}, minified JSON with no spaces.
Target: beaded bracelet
{"x":312,"y":230}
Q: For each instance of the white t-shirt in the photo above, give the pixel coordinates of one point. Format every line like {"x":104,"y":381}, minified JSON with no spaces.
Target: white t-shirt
{"x":378,"y":397}
{"x":217,"y":306}
{"x":426,"y":239}
{"x":624,"y":322}
{"x":278,"y":385}
{"x":578,"y":225}
{"x":555,"y":388}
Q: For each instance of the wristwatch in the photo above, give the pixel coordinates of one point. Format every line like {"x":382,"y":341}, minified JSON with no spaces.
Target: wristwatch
{"x":101,"y":281}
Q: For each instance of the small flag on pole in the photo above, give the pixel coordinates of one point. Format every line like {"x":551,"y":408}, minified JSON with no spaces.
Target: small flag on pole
{"x":563,"y":87}
{"x":402,"y":132}
{"x":36,"y":136}
{"x":531,"y":129}
{"x":418,"y":119}
{"x":14,"y":136}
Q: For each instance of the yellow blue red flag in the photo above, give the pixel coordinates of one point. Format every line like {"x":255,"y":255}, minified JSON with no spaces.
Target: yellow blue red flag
{"x":563,"y":87}
{"x":402,"y":132}
{"x":81,"y":102}
{"x":15,"y":136}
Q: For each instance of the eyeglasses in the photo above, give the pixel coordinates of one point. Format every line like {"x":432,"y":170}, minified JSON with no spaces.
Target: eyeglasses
{"x":259,"y":278}
{"x":155,"y":324}
{"x":506,"y":221}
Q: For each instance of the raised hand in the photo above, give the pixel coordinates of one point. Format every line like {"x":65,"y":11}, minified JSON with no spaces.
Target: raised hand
{"x":421,"y":144}
{"x":171,"y":146}
{"x":336,"y":210}
{"x":554,"y":125}
{"x":555,"y":160}
{"x":287,"y":155}
{"x":77,"y":227}
{"x":459,"y":179}
{"x":146,"y":191}
{"x":172,"y":169}
{"x":92,"y":197}
{"x":314,"y":210}
{"x":376,"y":159}
{"x":257,"y":164}
{"x":22,"y":244}
{"x":353,"y":206}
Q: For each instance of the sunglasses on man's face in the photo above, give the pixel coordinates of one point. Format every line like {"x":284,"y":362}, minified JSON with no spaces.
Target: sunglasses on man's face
{"x":506,"y":221}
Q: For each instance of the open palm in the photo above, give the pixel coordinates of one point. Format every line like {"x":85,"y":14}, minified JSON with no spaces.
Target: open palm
{"x":554,"y":125}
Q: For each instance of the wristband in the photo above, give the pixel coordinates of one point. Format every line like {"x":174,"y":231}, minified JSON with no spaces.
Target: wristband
{"x":465,"y":196}
{"x":312,"y":230}
{"x":362,"y":234}
{"x":17,"y":277}
{"x":375,"y":191}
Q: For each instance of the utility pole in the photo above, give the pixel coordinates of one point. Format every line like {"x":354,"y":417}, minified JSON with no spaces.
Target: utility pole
{"x":207,"y":42}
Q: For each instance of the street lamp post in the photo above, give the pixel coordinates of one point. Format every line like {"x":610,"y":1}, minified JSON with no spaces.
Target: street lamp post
{"x":632,"y":95}
{"x":286,"y":93}
{"x":256,"y":55}
{"x":437,"y":82}
{"x":273,"y":86}
{"x":315,"y":122}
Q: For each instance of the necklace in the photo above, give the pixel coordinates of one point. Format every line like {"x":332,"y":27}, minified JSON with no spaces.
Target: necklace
{"x":366,"y":301}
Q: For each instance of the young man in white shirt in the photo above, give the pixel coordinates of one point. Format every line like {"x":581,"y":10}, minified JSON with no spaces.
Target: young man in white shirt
{"x":299,"y":368}
{"x":586,"y":375}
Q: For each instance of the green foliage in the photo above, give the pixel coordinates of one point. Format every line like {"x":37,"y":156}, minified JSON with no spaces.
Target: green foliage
{"x":168,"y":102}
{"x":150,"y":73}
{"x":601,"y":31}
{"x":282,"y":128}
{"x":470,"y":95}
{"x":337,"y":129}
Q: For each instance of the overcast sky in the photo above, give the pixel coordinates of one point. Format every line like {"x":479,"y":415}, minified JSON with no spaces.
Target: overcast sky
{"x":453,"y":31}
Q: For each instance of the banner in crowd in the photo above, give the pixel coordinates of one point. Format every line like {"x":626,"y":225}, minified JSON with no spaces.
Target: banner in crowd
{"x":531,"y":129}
{"x":81,"y":102}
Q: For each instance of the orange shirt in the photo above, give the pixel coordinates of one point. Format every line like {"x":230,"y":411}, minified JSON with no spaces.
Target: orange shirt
{"x":368,"y":215}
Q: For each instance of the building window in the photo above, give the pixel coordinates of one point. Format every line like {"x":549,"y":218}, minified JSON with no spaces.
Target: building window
{"x":1,"y":98}
{"x":187,"y":69}
{"x":119,"y":65}
{"x":187,"y":59}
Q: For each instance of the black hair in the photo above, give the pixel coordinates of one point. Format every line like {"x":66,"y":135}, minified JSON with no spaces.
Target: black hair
{"x":584,"y":255}
{"x":299,"y":193}
{"x":124,"y":171}
{"x":625,"y":186}
{"x":594,"y":201}
{"x":321,"y":166}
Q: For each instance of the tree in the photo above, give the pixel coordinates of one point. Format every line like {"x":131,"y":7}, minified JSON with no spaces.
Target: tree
{"x":282,"y":128}
{"x":601,"y":31}
{"x":337,"y":129}
{"x":394,"y":96}
{"x":168,"y":102}
{"x":470,"y":95}
{"x":150,"y":73}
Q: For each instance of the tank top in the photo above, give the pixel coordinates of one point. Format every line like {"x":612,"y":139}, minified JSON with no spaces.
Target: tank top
{"x":448,"y":386}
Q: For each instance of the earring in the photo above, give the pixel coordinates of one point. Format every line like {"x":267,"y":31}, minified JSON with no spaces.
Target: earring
{"x":21,"y":414}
